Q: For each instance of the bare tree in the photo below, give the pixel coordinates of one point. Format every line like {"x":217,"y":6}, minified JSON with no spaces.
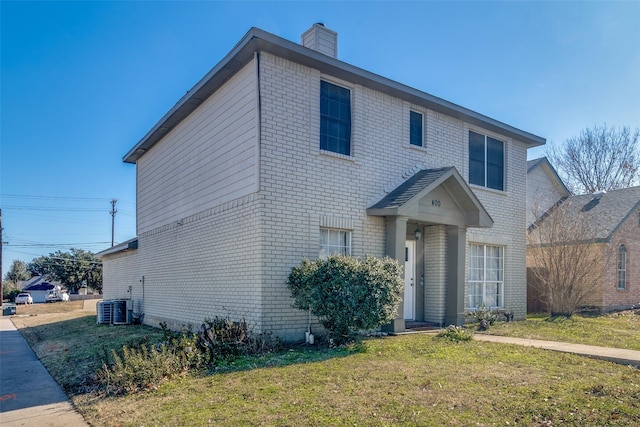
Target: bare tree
{"x":599,"y":159}
{"x":566,"y":259}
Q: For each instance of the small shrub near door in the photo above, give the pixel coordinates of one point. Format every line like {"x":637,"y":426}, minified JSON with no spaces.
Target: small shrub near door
{"x":348,"y":294}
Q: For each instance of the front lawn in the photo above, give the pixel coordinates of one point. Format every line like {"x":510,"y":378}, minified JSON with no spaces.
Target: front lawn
{"x":407,"y":380}
{"x":621,"y":330}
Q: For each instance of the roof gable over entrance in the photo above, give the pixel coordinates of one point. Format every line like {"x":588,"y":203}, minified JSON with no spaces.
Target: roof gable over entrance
{"x":438,"y":196}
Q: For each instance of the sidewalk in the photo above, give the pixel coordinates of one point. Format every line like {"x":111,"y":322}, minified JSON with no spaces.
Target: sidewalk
{"x":28,"y":394}
{"x":617,"y":355}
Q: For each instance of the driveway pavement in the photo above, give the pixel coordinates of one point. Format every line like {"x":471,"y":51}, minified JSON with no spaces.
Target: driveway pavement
{"x":28,"y":394}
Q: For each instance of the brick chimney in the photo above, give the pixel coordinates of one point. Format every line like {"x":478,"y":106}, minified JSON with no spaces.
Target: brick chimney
{"x":321,"y":39}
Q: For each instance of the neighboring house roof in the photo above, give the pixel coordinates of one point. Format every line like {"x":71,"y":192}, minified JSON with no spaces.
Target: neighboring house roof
{"x":403,"y":200}
{"x":33,"y":283}
{"x":121,"y":247}
{"x":24,"y":283}
{"x":544,"y":163}
{"x":42,"y":286}
{"x":605,"y":212}
{"x":257,"y":40}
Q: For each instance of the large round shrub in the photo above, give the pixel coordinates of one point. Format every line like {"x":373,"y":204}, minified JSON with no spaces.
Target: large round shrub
{"x":348,"y":294}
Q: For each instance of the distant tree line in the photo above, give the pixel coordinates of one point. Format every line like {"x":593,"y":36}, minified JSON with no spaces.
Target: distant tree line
{"x":72,"y":269}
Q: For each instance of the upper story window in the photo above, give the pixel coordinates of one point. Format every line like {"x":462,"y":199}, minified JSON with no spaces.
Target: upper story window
{"x":622,"y":267}
{"x":335,"y":118}
{"x":486,"y":161}
{"x":415,"y":128}
{"x":333,"y":241}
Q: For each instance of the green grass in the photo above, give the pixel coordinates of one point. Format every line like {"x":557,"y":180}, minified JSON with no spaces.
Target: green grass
{"x":73,"y":347}
{"x":621,"y":330}
{"x":408,"y":380}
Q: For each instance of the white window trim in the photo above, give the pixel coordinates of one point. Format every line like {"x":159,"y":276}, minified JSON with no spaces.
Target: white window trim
{"x":622,"y":271}
{"x":423,"y":139}
{"x":504,"y":159}
{"x":484,"y":281}
{"x":406,"y":135}
{"x":347,"y":248}
{"x":351,"y":89}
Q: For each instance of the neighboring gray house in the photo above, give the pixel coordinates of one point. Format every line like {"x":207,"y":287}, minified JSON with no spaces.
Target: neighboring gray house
{"x":544,"y":188}
{"x":39,"y":288}
{"x":283,"y":152}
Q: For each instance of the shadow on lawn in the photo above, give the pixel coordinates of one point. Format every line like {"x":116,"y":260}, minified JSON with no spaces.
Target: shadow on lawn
{"x":73,"y":350}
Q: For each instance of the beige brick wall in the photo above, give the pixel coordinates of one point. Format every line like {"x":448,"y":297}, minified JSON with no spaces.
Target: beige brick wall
{"x":435,"y":277}
{"x":233,"y":259}
{"x":301,"y":184}
{"x":203,"y":266}
{"x":628,"y":235}
{"x":120,"y":275}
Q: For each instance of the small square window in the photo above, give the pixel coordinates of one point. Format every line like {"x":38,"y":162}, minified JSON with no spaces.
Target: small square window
{"x":415,"y":128}
{"x":333,"y":241}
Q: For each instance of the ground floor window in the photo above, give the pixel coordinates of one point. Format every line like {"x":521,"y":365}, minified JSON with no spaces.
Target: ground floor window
{"x":333,"y":241}
{"x":486,"y":276}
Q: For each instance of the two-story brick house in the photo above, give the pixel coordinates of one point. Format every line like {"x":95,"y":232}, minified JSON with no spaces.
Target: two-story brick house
{"x":283,"y":152}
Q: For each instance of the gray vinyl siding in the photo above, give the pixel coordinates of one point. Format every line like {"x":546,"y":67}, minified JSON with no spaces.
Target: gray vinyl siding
{"x":210,"y":158}
{"x":541,"y":194}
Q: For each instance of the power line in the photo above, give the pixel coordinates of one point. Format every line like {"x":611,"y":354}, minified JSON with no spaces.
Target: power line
{"x":34,"y":197}
{"x":52,"y":245}
{"x":51,"y":209}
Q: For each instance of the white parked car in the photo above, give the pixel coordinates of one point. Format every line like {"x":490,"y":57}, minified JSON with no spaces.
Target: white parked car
{"x":53,"y":296}
{"x":24,"y":298}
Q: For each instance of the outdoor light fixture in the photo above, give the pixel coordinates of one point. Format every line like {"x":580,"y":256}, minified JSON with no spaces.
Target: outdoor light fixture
{"x":417,"y":233}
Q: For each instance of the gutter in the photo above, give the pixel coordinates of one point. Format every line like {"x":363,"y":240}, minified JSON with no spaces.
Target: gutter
{"x":257,"y":40}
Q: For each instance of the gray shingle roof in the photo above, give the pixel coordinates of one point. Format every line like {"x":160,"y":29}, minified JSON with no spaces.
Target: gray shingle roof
{"x":605,"y":211}
{"x":44,"y":286}
{"x":533,"y":163}
{"x":410,"y":188}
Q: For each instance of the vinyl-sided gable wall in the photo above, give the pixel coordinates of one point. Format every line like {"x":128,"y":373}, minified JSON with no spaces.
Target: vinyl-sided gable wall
{"x":210,"y":158}
{"x":198,"y":212}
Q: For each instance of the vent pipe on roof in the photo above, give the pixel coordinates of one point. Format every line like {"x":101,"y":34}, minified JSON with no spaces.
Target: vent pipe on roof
{"x":321,"y":39}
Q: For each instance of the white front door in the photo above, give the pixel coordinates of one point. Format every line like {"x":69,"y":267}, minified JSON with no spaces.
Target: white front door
{"x":409,"y":280}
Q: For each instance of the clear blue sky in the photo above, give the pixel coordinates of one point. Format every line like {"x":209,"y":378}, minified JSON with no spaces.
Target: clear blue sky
{"x":82,"y":82}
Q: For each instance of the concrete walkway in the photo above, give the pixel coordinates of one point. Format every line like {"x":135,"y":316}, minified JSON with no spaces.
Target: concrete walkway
{"x":617,"y":355}
{"x":28,"y":394}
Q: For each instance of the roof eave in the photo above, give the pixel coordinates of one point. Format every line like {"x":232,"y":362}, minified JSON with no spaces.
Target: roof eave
{"x":383,"y":211}
{"x":258,"y":40}
{"x":121,"y":247}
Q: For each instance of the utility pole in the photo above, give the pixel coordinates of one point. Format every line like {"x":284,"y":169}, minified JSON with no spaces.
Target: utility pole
{"x":113,"y":218}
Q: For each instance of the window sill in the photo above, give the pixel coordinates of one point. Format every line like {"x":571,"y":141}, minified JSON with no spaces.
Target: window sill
{"x":336,"y":155}
{"x":419,"y":148}
{"x":489,"y":190}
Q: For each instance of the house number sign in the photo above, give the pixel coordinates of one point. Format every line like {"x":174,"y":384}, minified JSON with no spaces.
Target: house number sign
{"x":436,"y":203}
